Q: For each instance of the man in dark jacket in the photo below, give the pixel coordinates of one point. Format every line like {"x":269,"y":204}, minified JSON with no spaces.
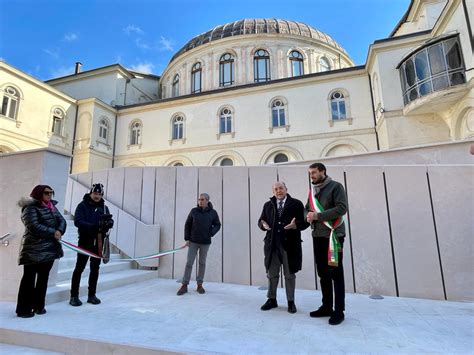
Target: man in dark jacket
{"x":325,"y":210}
{"x":283,"y":219}
{"x":93,"y":220}
{"x":201,"y":225}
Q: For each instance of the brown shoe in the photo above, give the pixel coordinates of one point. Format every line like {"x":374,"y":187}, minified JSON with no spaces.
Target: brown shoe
{"x":200,"y":289}
{"x":182,"y":290}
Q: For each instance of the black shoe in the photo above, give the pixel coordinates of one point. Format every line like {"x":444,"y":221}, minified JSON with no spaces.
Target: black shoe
{"x":336,"y":318}
{"x":26,"y":315}
{"x":40,"y":311}
{"x":93,"y":300}
{"x":75,"y":302}
{"x":321,"y":312}
{"x":271,"y":303}
{"x":182,"y":290}
{"x":200,"y":289}
{"x":291,"y":307}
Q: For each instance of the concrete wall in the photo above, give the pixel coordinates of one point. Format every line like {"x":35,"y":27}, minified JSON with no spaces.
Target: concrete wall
{"x":19,"y":173}
{"x":404,"y":238}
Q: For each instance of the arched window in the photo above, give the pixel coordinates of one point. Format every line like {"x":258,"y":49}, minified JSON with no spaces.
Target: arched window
{"x":178,"y":164}
{"x":58,"y":122}
{"x":338,"y":106}
{"x":324,"y":64}
{"x":178,"y":127}
{"x":104,"y":129}
{"x":278,"y":113}
{"x":280,"y":158}
{"x":10,"y":102}
{"x":175,"y":92}
{"x":261,"y":66}
{"x":226,"y":70}
{"x":226,"y":162}
{"x":296,"y":61}
{"x":135,"y":133}
{"x":196,"y":78}
{"x":225,"y":121}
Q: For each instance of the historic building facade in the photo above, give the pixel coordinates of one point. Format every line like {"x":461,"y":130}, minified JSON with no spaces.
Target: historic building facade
{"x":258,"y":91}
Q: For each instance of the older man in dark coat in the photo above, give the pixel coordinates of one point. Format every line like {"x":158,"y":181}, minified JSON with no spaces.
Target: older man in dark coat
{"x":283,"y":220}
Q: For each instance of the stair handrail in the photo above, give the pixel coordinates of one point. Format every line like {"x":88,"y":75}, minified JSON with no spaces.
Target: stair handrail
{"x":112,"y":206}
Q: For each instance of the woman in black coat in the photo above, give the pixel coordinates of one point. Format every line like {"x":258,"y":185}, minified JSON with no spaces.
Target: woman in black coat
{"x":44,"y":227}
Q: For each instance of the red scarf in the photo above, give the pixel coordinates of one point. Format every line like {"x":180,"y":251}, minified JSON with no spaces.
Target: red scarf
{"x":48,"y":205}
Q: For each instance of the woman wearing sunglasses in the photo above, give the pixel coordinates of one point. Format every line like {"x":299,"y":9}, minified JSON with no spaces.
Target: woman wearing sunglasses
{"x":40,"y":246}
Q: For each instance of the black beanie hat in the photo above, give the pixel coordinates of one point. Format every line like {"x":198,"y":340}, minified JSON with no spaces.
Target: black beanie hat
{"x":97,"y":188}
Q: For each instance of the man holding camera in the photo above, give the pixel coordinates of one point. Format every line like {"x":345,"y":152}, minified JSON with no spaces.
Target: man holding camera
{"x":93,"y":220}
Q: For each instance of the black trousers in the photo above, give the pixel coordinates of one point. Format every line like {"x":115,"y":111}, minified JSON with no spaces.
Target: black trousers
{"x":330,"y":276}
{"x":33,"y":285}
{"x":90,"y":245}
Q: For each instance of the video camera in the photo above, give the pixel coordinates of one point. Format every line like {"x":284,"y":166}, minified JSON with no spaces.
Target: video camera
{"x":105,"y":223}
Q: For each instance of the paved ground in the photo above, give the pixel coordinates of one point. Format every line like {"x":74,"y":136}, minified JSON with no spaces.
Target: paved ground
{"x":227,"y":319}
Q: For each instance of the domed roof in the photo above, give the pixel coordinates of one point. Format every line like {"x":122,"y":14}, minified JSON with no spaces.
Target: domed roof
{"x":257,"y":26}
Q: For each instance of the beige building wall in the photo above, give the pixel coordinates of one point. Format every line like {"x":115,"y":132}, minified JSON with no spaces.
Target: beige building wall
{"x":31,"y":127}
{"x":309,"y":133}
{"x":19,"y":173}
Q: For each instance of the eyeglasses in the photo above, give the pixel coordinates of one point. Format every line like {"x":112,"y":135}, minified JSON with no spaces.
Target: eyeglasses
{"x":201,"y":199}
{"x":48,"y":193}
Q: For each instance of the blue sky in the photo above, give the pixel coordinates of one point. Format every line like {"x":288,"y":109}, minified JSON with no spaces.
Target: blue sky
{"x":45,"y":38}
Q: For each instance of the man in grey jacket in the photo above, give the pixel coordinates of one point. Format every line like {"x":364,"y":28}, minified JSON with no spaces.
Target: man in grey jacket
{"x":201,"y":225}
{"x":325,"y":209}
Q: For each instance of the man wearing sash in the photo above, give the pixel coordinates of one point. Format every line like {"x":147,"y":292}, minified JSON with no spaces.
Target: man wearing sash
{"x":282,"y":219}
{"x":327,"y":204}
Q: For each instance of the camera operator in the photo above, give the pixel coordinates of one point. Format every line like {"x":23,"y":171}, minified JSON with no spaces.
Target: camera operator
{"x":93,"y":220}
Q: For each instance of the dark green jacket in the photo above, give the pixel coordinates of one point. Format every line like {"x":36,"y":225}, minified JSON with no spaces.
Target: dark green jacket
{"x":333,"y":199}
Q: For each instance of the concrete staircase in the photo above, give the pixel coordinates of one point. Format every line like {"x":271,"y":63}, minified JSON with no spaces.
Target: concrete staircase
{"x":113,"y":274}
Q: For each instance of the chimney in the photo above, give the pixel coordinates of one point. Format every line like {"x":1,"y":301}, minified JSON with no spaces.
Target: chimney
{"x":77,"y":69}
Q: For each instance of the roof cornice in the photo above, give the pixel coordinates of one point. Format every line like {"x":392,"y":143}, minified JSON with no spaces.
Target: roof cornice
{"x":38,"y":83}
{"x":91,"y":73}
{"x":246,"y":89}
{"x":96,"y":101}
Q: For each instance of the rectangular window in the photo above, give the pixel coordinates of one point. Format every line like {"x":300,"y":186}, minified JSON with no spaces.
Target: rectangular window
{"x":275,"y":118}
{"x":437,"y":62}
{"x":12,"y":109}
{"x":278,"y":117}
{"x":57,"y":126}
{"x":334,"y":111}
{"x":177,"y":131}
{"x":103,"y":133}
{"x":4,"y":106}
{"x":226,"y":125}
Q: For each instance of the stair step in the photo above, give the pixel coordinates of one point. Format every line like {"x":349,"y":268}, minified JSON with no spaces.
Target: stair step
{"x":107,"y":281}
{"x":65,"y":274}
{"x":69,"y":260}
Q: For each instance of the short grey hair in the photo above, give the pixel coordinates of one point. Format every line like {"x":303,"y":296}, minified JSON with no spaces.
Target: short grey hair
{"x":206,"y":195}
{"x":279,"y":182}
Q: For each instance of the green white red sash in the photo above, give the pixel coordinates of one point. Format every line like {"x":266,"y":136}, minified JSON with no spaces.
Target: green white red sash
{"x":93,"y":255}
{"x":334,"y":245}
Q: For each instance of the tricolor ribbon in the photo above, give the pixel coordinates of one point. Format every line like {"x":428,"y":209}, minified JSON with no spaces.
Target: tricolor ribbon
{"x":334,"y":245}
{"x":82,"y":251}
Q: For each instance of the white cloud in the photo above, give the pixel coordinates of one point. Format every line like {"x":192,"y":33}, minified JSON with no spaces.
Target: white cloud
{"x":166,"y":44}
{"x":141,"y":44}
{"x":145,"y":68}
{"x":62,"y":71}
{"x":2,"y":59}
{"x":70,"y":37}
{"x":52,"y":52}
{"x":133,"y":29}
